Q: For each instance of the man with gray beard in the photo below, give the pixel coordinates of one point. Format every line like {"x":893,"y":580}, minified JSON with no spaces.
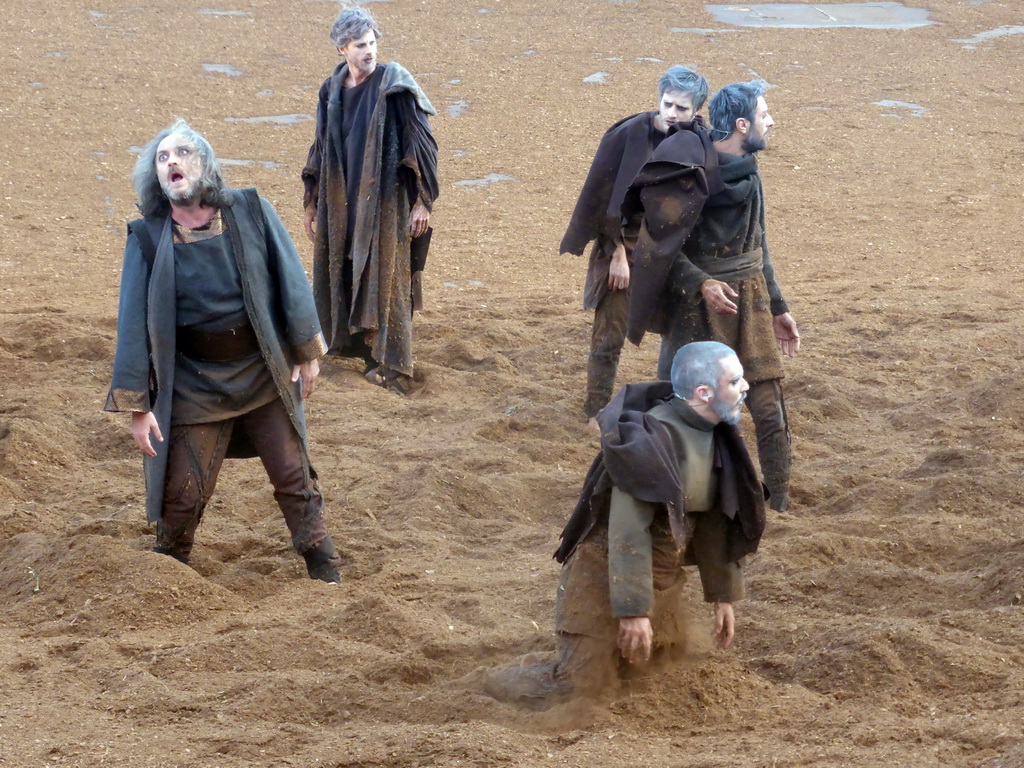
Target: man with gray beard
{"x":217,"y":347}
{"x":672,"y":486}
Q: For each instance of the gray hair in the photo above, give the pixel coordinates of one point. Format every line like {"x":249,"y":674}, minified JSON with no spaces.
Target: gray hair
{"x":685,"y":80}
{"x":698,"y":364}
{"x":733,"y":102}
{"x":352,"y":23}
{"x":151,"y":198}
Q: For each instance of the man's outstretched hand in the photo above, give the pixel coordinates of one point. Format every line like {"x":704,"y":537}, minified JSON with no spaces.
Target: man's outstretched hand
{"x":142,"y":425}
{"x":635,"y":638}
{"x":786,"y":334}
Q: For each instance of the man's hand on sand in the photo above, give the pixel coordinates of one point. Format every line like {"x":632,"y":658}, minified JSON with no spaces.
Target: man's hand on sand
{"x":635,"y":638}
{"x":725,"y":625}
{"x":142,"y":425}
{"x":718,"y":296}
{"x":786,"y":334}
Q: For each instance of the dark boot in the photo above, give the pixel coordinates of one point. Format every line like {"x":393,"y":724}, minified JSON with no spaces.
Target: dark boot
{"x":322,"y":562}
{"x":180,"y":556}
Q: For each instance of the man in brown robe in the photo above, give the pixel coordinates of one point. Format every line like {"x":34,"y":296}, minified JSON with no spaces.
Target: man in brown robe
{"x":597,"y":217}
{"x":672,"y":486}
{"x":370,"y":184}
{"x":707,"y":273}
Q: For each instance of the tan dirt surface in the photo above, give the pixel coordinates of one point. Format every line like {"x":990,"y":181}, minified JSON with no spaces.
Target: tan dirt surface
{"x":884,"y":625}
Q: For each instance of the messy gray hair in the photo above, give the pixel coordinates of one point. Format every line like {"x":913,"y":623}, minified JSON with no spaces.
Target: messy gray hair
{"x":733,"y":102}
{"x":685,"y":80}
{"x":352,"y":23}
{"x":151,"y":198}
{"x":698,"y":364}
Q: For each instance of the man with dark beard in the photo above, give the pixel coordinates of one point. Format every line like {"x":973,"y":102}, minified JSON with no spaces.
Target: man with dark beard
{"x":371,"y":182}
{"x":672,"y":486}
{"x":712,"y":277}
{"x":217,"y":347}
{"x":597,"y":217}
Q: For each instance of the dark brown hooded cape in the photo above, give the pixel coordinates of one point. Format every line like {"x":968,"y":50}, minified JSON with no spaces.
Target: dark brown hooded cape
{"x":664,"y":203}
{"x":637,"y":458}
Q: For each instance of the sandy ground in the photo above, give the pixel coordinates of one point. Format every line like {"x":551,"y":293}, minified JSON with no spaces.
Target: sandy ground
{"x":884,"y":625}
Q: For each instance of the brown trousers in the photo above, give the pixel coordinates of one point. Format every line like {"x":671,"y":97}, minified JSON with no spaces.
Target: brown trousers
{"x":195,"y":455}
{"x":607,"y":338}
{"x":587,"y":660}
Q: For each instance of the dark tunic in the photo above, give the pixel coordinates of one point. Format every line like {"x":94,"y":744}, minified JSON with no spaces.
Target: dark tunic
{"x":728,"y":243}
{"x":208,"y":290}
{"x":357,"y":105}
{"x":277,"y":301}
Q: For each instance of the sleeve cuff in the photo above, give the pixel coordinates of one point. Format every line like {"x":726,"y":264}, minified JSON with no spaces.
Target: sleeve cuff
{"x":309,"y":350}
{"x":127,"y":400}
{"x":779,"y":307}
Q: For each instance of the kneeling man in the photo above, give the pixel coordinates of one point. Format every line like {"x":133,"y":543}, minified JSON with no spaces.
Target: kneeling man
{"x":672,"y":486}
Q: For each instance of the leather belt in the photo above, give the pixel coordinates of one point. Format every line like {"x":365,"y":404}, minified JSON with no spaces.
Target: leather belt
{"x":217,"y":347}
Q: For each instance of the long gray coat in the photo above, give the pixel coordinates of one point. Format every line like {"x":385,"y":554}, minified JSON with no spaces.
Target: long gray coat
{"x":278,"y":300}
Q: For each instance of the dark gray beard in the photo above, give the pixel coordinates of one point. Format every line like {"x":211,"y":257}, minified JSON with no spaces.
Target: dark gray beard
{"x":722,"y":411}
{"x":750,"y":145}
{"x":186,"y":199}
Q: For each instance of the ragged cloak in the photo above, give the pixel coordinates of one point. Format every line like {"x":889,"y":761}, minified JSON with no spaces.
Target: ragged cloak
{"x":380,"y":296}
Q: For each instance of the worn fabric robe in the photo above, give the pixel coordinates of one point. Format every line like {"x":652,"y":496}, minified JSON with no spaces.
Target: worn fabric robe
{"x":277,"y":299}
{"x":623,"y":150}
{"x":379,"y":297}
{"x":662,"y":206}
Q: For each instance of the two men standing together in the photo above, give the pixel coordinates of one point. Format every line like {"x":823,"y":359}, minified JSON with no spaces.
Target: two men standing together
{"x":219,"y":335}
{"x":680,"y":249}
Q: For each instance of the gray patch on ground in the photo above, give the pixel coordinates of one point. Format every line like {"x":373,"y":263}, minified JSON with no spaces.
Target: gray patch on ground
{"x":989,"y":35}
{"x":222,"y":69}
{"x":275,"y":119}
{"x":916,"y":110}
{"x":597,"y":77}
{"x":457,"y":108}
{"x":886,"y":15}
{"x":486,"y":181}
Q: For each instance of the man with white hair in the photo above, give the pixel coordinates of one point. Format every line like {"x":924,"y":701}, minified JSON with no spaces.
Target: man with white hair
{"x":217,"y":347}
{"x":672,"y":486}
{"x":597,"y":217}
{"x":370,"y":184}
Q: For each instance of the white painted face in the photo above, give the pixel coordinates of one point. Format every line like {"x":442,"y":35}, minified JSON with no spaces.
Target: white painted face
{"x":361,"y":53}
{"x":675,"y":107}
{"x":727,"y":402}
{"x":178,"y":168}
